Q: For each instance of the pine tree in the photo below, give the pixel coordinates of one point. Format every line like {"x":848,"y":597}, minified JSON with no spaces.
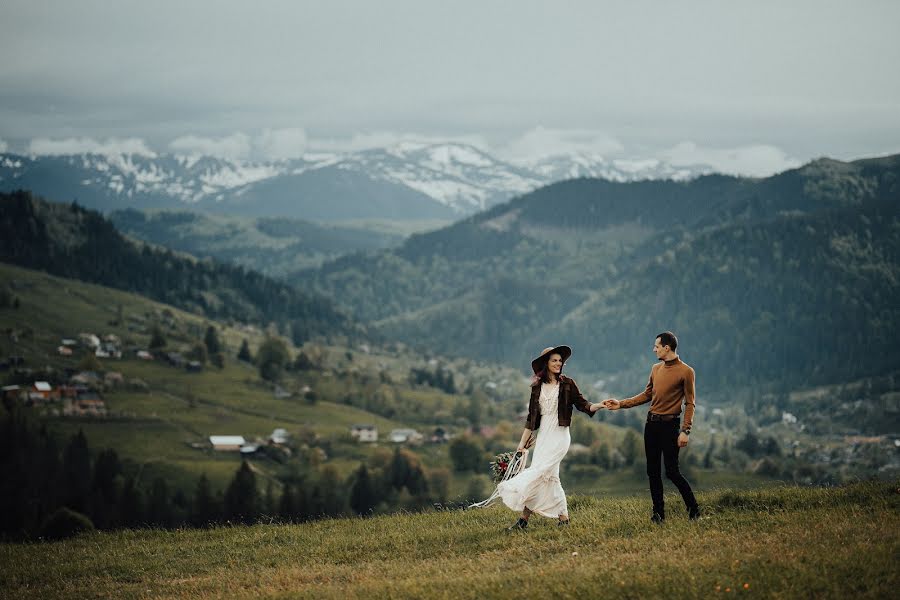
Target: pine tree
{"x":211,"y":339}
{"x":241,"y":501}
{"x":132,"y":504}
{"x":363,"y":497}
{"x":269,"y":510}
{"x":244,"y":352}
{"x":77,"y":473}
{"x":399,"y":469}
{"x":286,"y":505}
{"x":157,"y":340}
{"x":203,"y":507}
{"x":159,"y":508}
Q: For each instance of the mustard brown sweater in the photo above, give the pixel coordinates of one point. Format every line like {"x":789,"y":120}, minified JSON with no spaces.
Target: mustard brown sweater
{"x":670,"y":382}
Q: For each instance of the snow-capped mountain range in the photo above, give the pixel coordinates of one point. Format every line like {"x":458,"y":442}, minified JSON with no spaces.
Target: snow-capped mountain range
{"x":407,"y":180}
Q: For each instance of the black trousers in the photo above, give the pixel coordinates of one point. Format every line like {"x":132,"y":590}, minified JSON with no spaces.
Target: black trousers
{"x":661,"y":441}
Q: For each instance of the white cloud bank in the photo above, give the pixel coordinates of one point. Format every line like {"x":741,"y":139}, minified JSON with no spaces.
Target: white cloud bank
{"x":754,"y":161}
{"x":84,"y":145}
{"x":543,"y":142}
{"x":270,"y":144}
{"x":3,"y":145}
{"x":759,"y":160}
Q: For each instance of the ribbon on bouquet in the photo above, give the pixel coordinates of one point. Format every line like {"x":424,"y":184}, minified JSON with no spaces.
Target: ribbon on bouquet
{"x":515,"y":467}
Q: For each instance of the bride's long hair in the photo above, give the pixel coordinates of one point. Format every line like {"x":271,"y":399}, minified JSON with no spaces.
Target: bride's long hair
{"x":543,"y":376}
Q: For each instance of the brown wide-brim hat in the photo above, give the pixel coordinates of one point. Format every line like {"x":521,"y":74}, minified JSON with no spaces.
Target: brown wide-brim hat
{"x":537,"y":364}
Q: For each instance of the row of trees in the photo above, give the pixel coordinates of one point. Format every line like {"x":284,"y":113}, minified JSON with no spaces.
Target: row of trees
{"x":47,"y":487}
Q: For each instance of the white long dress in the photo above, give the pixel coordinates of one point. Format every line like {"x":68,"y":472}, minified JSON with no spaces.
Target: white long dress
{"x":538,"y":486}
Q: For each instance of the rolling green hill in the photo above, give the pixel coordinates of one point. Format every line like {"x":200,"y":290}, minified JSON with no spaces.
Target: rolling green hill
{"x":70,"y":241}
{"x":779,"y":543}
{"x":786,"y":281}
{"x":273,"y":246}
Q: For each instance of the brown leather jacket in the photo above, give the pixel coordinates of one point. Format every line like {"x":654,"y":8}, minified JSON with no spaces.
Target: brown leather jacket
{"x":569,"y":397}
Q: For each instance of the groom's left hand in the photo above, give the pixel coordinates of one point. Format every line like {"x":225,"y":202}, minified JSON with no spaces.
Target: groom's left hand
{"x":683,"y":439}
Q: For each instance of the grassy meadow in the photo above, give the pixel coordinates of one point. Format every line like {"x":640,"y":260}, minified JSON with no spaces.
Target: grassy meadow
{"x":780,"y":542}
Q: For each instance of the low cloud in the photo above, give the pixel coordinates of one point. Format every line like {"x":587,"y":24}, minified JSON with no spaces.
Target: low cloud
{"x":389,"y":139}
{"x":3,"y":145}
{"x":270,"y":144}
{"x":236,"y":146}
{"x":279,"y":144}
{"x":754,"y":161}
{"x":543,"y":142}
{"x":84,"y":145}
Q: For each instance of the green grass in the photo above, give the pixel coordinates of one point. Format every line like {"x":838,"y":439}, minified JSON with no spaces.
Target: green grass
{"x":783,"y":542}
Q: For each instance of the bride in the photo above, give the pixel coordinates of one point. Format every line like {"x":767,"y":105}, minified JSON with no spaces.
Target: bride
{"x":537,"y":489}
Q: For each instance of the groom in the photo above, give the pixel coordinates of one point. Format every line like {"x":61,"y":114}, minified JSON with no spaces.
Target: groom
{"x":671,"y":382}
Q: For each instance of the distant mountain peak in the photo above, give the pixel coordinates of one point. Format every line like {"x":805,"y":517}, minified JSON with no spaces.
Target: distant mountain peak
{"x":459,"y":176}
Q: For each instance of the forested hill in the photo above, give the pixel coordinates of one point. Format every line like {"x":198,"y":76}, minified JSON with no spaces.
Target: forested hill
{"x":71,"y":241}
{"x":792,"y":278}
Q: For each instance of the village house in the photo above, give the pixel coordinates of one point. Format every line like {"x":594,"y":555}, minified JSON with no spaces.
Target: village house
{"x":89,"y":339}
{"x":175,"y":359}
{"x":405,"y":436}
{"x":13,"y":393}
{"x":227,"y":443}
{"x":85,"y":378}
{"x":364,"y":433}
{"x":113,"y":378}
{"x":439,"y":436}
{"x":86,"y":404}
{"x":249,"y":448}
{"x":279,"y":436}
{"x":42,"y":392}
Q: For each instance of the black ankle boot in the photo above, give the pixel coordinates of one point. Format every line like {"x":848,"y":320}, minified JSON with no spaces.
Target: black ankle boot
{"x":658,"y":517}
{"x":694,"y":513}
{"x":521,"y":524}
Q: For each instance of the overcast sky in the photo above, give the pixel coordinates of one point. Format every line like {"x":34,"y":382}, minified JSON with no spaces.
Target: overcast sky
{"x":756,"y":85}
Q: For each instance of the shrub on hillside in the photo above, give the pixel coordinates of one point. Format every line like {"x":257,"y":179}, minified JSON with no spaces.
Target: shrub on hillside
{"x":65,"y":523}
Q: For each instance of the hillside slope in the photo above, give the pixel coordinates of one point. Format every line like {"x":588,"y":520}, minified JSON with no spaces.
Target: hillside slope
{"x":784,"y":542}
{"x":70,"y":241}
{"x":811,"y":254}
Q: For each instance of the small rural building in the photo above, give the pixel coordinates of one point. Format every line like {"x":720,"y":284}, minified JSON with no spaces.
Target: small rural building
{"x":86,"y":404}
{"x":249,"y":448}
{"x":41,"y":391}
{"x":364,"y":433}
{"x":89,"y":339}
{"x":439,"y":436}
{"x":13,"y":392}
{"x":279,"y":436}
{"x":227,"y":443}
{"x":405,"y":436}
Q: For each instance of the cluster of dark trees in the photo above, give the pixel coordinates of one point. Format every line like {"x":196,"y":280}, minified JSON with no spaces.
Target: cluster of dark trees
{"x":71,"y":241}
{"x":43,"y":478}
{"x":46,"y":483}
{"x":439,"y":378}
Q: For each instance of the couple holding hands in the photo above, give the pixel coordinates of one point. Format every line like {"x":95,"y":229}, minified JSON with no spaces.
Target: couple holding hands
{"x":537,"y":489}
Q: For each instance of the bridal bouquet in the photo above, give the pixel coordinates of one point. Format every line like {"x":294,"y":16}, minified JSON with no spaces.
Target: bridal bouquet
{"x":500,"y":464}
